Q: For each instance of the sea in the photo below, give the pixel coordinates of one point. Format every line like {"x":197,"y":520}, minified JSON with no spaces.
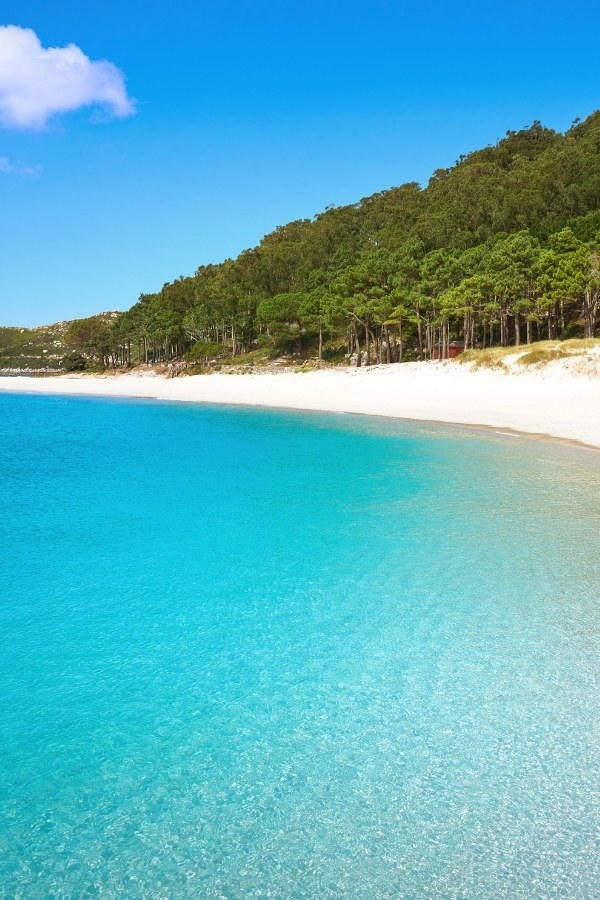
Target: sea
{"x":248,"y":653}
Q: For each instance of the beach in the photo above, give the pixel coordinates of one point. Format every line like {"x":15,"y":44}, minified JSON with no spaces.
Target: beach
{"x":559,"y":400}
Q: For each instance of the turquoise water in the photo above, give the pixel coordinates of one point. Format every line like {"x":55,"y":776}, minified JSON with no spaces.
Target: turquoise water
{"x":272,"y":654}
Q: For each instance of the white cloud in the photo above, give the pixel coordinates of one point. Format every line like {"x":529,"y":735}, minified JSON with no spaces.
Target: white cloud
{"x":37,"y":83}
{"x":9,"y":168}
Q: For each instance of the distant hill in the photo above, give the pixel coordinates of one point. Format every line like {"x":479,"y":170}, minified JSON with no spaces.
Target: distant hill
{"x":42,"y":348}
{"x":32,"y":348}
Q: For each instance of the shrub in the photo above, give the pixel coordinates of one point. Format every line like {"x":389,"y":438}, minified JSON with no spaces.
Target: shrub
{"x":204,"y":351}
{"x":74,"y":362}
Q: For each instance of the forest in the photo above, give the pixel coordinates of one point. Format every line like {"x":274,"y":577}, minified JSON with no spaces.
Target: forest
{"x":502,"y":248}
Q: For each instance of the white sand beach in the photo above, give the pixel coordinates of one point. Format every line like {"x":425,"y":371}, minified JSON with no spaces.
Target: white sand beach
{"x":560,"y":400}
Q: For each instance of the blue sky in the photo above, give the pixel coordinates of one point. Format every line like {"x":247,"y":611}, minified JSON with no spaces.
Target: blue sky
{"x":249,"y":115}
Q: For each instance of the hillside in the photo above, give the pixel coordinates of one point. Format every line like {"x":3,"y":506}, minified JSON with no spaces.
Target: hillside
{"x":501,"y":248}
{"x":46,"y":348}
{"x":32,"y":348}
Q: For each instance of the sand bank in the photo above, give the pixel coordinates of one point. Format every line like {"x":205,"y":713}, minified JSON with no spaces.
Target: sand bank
{"x":552,"y":401}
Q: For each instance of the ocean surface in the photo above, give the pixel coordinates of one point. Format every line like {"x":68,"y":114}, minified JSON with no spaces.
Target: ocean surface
{"x":248,"y":653}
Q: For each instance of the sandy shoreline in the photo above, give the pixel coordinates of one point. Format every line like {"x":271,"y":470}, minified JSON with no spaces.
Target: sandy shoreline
{"x":553,"y":402}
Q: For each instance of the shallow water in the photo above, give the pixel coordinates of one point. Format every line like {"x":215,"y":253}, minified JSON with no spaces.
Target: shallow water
{"x":250,"y":653}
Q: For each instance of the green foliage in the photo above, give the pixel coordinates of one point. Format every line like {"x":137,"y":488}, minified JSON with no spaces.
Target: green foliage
{"x":501,"y":248}
{"x":257,"y":357}
{"x":204,"y":352}
{"x":74,"y":362}
{"x":102,"y":340}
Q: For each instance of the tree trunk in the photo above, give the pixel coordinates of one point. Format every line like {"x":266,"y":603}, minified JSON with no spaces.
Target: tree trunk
{"x":389,"y":356}
{"x":376,"y":339}
{"x":590,"y":306}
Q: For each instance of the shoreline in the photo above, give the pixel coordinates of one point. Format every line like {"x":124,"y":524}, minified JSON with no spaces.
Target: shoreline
{"x":549,"y":403}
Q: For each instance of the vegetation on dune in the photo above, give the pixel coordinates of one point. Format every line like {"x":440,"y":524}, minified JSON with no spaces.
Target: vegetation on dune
{"x":490,"y":358}
{"x":501,"y":249}
{"x":538,"y":353}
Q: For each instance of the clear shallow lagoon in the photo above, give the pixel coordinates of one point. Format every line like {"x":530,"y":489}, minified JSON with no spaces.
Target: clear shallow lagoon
{"x":250,"y":654}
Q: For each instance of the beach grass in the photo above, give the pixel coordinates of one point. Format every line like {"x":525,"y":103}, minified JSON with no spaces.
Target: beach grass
{"x":539,"y":353}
